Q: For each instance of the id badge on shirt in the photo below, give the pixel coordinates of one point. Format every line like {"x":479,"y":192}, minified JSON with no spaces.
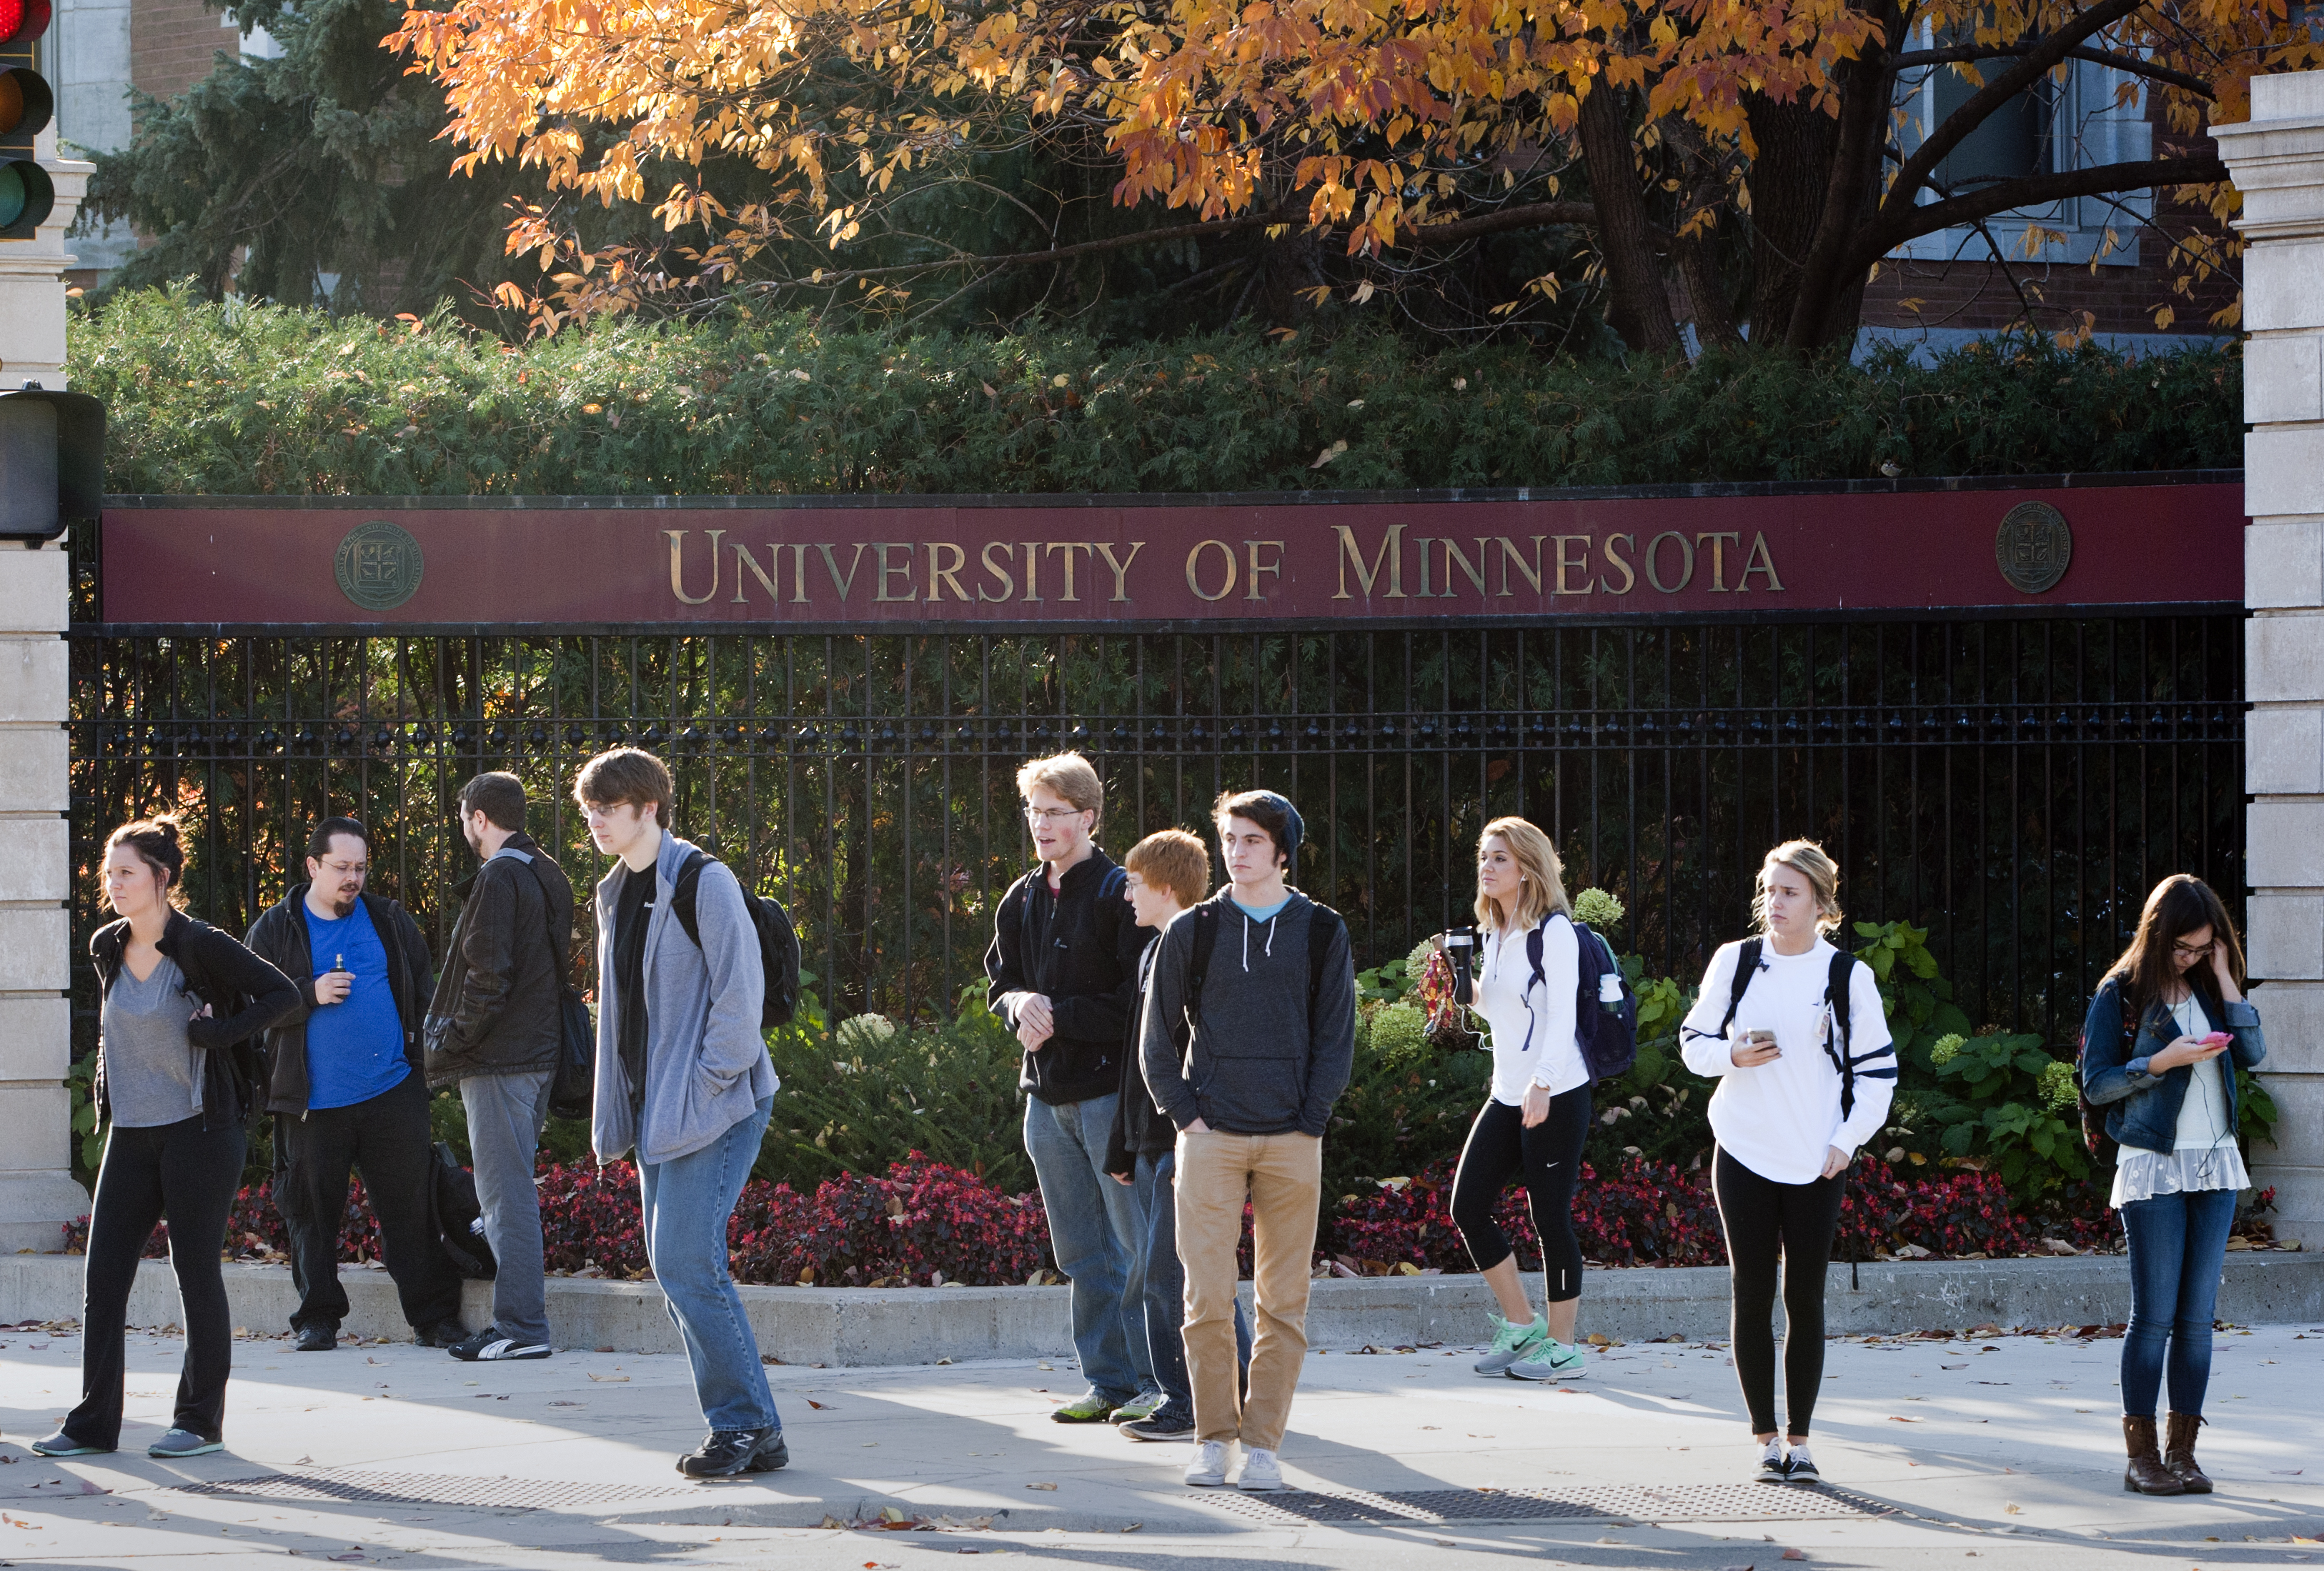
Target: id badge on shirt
{"x":1823,"y":1024}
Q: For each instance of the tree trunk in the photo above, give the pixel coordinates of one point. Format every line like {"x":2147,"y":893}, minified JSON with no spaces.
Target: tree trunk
{"x":1832,"y":283}
{"x":1639,"y":309}
{"x":1789,"y":180}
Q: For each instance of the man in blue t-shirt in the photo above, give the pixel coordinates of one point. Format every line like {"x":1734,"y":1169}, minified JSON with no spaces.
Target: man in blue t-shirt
{"x":345,"y":1092}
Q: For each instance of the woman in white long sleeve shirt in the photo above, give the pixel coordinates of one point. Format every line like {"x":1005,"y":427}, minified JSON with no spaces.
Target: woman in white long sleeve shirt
{"x":1538,"y":1111}
{"x":1797,"y":1095}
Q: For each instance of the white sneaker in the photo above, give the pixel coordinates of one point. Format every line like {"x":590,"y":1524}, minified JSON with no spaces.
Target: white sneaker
{"x":1208,"y":1470}
{"x":1261,"y":1469}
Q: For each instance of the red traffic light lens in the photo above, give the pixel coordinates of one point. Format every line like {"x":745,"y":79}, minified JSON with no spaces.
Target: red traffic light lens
{"x":22,"y":20}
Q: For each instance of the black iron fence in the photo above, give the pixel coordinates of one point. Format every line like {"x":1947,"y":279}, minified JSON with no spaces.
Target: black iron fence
{"x":2015,"y":785}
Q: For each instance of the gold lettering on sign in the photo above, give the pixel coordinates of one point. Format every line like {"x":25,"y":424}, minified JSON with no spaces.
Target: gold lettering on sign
{"x":1761,"y":560}
{"x":1424,"y":542}
{"x":1654,"y":561}
{"x":1121,"y":568}
{"x":1565,"y":563}
{"x":766,"y":575}
{"x":1068,"y":548}
{"x":1629,"y":579}
{"x":831,"y":566}
{"x":1258,"y":567}
{"x":1008,"y":579}
{"x":941,"y":573}
{"x":887,"y":569}
{"x":1033,"y":569}
{"x":677,"y":576}
{"x":1510,"y":554}
{"x":1718,"y":558}
{"x":1194,"y":563}
{"x":1391,"y":552}
{"x":1476,"y":574}
{"x":798,"y":573}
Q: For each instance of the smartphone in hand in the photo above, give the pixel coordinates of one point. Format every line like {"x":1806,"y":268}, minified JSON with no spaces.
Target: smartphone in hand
{"x":2215,"y":1039}
{"x":1762,"y":1039}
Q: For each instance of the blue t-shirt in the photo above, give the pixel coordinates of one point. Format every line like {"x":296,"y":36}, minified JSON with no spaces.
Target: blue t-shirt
{"x":354,"y":1047}
{"x":1263,"y":913}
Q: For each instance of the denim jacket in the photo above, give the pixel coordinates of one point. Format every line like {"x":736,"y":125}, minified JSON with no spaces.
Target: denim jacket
{"x":2142,"y":1107}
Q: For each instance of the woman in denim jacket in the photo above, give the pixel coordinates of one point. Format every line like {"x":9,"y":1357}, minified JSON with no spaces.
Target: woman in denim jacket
{"x":2168,"y":1029}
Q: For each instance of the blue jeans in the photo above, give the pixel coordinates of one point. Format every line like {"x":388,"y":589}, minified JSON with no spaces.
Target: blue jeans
{"x":687,"y":1201}
{"x":2178,"y":1247}
{"x":1166,"y":1291}
{"x":1091,"y":1221}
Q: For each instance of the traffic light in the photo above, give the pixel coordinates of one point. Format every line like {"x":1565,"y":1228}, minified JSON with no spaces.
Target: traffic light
{"x":52,"y":462}
{"x":26,"y":105}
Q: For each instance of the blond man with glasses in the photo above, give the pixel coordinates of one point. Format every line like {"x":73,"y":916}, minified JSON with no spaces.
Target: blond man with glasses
{"x":1064,"y":975}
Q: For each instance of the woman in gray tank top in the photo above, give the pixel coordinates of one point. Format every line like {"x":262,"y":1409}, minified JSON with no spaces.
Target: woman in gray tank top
{"x":180,"y":1003}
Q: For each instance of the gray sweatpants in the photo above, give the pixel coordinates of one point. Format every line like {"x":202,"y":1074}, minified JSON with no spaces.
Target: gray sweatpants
{"x":505,"y":1116}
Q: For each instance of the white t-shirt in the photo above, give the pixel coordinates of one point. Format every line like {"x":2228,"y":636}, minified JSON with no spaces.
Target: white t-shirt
{"x":1531,"y":1045}
{"x":2203,"y":1114}
{"x":1781,"y":1119}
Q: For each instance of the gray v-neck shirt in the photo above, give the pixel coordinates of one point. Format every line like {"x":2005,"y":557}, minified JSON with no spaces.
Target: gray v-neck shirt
{"x":151,"y":1069}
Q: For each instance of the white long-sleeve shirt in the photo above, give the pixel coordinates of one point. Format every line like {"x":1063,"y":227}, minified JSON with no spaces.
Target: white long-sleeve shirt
{"x":1780,"y":1119}
{"x":1532,"y":1022}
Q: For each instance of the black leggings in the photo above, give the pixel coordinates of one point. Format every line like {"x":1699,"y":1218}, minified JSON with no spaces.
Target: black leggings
{"x":1766,"y":1222}
{"x":189,"y":1174}
{"x":1548,"y":1157}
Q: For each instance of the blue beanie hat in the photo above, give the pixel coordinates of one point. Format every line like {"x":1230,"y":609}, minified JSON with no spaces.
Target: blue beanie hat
{"x":1294,"y":831}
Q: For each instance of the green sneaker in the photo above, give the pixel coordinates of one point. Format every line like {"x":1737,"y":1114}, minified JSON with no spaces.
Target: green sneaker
{"x":1089,"y":1408}
{"x":1510,"y":1343}
{"x":1141,"y":1406}
{"x":1552,"y":1360}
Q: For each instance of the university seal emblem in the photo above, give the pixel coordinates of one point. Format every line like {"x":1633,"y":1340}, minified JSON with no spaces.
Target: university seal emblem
{"x":378,"y":565}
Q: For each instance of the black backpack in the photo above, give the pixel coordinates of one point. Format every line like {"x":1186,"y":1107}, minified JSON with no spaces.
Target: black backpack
{"x":459,"y":1219}
{"x":779,"y":946}
{"x":1323,"y":926}
{"x":572,"y":1088}
{"x":1835,"y":993}
{"x":1607,"y":1033}
{"x":2102,"y":1147}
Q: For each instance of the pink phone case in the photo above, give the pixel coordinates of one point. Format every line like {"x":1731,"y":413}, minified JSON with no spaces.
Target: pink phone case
{"x":2216,"y":1039}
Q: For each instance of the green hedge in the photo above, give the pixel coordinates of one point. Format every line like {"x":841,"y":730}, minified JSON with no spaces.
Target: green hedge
{"x":246,"y":400}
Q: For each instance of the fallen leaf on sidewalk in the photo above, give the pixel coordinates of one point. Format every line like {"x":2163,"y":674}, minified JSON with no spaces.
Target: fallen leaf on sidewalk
{"x":19,"y":1522}
{"x":821,"y":1407}
{"x":610,"y":1379}
{"x":1133,"y":1527}
{"x":1040,"y":1486}
{"x":1793,"y":1555}
{"x":2013,"y":1509}
{"x":1898,"y":1419}
{"x":2287,"y":1471}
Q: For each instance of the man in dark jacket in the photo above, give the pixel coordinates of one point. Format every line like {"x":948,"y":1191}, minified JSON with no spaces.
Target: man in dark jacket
{"x":1064,"y":972}
{"x":345,"y":1090}
{"x":495,"y":1030}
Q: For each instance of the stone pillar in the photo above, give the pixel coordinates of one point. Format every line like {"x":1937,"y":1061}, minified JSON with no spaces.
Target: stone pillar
{"x":2277,"y":159}
{"x":37,"y":1191}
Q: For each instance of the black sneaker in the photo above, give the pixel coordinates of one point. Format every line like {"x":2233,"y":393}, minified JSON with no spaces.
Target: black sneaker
{"x":774,"y":1454}
{"x":726,"y":1452}
{"x":490,"y":1346}
{"x":1774,"y":1468}
{"x":1161,"y":1426}
{"x":442,"y":1334}
{"x":316,"y":1339}
{"x":1799,"y":1469}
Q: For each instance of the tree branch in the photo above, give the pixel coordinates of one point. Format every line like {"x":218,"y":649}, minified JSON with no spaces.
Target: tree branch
{"x":1968,"y":54}
{"x":1528,"y":216}
{"x":2034,"y":189}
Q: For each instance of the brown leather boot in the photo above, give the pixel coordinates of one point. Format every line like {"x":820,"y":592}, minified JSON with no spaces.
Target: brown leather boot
{"x":2145,"y":1475}
{"x":2179,"y":1453}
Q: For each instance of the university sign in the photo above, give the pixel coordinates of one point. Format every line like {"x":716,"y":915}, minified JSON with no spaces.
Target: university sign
{"x":1743,"y":550}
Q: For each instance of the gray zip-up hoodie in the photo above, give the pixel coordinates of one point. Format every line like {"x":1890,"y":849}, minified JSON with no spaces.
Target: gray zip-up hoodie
{"x":1257,"y":1064}
{"x":707,"y":1065}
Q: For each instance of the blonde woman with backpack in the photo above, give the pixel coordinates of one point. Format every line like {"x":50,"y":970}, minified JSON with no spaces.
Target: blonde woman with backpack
{"x":1792,"y":1030}
{"x":1536,"y":1111}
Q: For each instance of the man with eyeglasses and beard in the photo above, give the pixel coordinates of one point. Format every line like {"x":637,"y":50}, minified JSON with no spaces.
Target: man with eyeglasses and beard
{"x":346,"y":1091}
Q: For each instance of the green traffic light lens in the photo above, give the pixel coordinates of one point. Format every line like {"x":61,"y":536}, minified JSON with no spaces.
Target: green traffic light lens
{"x":12,"y":190}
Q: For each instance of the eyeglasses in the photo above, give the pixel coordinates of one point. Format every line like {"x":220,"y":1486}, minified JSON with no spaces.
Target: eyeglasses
{"x":344,"y":868}
{"x":2190,"y":951}
{"x":1052,"y":814}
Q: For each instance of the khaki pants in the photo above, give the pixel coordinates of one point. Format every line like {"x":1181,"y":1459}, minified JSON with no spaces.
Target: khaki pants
{"x":1283,"y":1175}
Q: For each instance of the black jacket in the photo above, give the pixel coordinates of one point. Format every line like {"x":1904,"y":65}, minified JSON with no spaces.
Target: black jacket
{"x":1139,"y":1128}
{"x":280,"y":936}
{"x":498,"y":1005}
{"x":1080,"y":950}
{"x":245,"y":996}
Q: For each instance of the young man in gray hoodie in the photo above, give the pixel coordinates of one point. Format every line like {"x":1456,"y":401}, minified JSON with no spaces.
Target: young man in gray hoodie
{"x":683,"y":1080}
{"x":1247,"y":1040}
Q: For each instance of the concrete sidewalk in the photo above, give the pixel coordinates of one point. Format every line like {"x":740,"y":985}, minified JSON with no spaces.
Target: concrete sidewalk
{"x":2005,"y":1447}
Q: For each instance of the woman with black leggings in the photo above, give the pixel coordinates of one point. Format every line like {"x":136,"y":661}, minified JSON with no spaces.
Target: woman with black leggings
{"x":1792,"y":1030}
{"x":1536,"y":1112}
{"x":175,"y":1082}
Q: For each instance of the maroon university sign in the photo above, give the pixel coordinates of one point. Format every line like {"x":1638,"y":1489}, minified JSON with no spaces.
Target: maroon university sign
{"x":2093,"y":542}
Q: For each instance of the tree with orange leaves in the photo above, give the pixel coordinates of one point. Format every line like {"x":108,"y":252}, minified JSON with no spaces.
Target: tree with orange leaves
{"x":1762,"y":156}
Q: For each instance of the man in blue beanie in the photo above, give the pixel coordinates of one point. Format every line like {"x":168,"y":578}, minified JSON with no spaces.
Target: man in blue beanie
{"x":1247,"y":1039}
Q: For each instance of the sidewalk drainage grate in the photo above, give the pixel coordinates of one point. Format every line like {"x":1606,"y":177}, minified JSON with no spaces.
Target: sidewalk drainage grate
{"x":1687,"y":1502}
{"x":431,"y":1489}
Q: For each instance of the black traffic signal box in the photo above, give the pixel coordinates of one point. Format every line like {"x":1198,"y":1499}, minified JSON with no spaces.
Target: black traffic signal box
{"x":26,"y":106}
{"x":52,"y":462}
